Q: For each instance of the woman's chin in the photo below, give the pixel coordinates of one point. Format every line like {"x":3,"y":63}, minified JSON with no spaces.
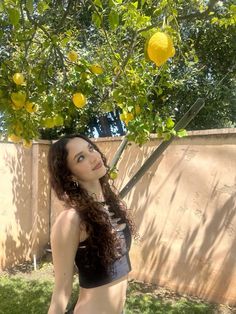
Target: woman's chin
{"x":102,"y":171}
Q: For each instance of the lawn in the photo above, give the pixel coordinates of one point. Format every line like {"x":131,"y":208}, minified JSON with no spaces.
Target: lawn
{"x":29,"y":292}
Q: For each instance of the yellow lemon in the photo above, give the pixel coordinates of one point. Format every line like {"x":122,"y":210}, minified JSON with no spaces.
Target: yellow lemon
{"x":14,"y":138}
{"x":96,"y":69}
{"x":126,"y":117}
{"x":30,"y":107}
{"x":129,"y":117}
{"x":113,"y":174}
{"x":48,"y":122}
{"x":79,"y":100}
{"x":72,"y":56}
{"x":18,"y":99}
{"x":15,"y":107}
{"x":160,"y":48}
{"x":18,"y":78}
{"x":27,"y":143}
{"x":84,"y":76}
{"x":58,"y":120}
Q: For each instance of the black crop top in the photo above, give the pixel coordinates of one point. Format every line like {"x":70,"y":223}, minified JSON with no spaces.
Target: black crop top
{"x":91,"y":277}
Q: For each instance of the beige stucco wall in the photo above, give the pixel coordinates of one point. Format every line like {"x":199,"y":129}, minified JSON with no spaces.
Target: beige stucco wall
{"x":184,"y":209}
{"x":24,"y":202}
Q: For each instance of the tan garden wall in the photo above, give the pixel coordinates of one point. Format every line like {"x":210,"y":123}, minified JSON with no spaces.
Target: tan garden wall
{"x":184,"y":209}
{"x":24,"y":202}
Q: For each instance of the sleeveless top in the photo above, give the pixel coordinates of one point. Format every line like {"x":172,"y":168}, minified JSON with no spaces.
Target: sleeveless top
{"x":96,"y":275}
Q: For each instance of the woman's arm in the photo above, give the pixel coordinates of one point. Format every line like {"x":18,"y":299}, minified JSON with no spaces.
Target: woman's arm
{"x":64,"y":242}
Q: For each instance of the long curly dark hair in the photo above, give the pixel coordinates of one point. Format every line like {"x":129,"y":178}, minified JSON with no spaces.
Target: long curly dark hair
{"x":91,"y":212}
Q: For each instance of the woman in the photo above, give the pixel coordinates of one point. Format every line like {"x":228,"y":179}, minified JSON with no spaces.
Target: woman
{"x":93,"y":231}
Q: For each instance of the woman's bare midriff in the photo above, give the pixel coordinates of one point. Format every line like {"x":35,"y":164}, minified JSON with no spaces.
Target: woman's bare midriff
{"x":106,"y":299}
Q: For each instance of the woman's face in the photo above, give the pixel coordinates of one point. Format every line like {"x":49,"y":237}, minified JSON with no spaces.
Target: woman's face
{"x":84,"y":162}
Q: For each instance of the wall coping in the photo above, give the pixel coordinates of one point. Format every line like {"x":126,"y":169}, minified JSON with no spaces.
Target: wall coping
{"x":224,"y":131}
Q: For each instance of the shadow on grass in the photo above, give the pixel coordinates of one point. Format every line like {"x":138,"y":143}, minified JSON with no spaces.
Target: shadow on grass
{"x":20,"y":296}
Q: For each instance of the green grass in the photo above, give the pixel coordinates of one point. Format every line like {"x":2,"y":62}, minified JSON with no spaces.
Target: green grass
{"x":22,"y":296}
{"x":144,"y":302}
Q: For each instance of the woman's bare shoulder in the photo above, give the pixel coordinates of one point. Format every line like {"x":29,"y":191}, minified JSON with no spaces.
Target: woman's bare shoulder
{"x":67,"y":220}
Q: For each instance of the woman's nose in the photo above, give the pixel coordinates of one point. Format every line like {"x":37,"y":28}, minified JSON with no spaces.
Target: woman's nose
{"x":93,"y":159}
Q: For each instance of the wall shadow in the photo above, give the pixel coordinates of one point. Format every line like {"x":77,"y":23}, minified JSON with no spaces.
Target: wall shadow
{"x":26,"y":224}
{"x":199,"y":259}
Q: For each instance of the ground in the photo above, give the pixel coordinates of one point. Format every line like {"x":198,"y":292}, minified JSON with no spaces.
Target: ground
{"x":45,"y":272}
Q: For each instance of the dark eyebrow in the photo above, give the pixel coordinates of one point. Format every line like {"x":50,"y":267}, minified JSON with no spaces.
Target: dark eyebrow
{"x":76,"y":155}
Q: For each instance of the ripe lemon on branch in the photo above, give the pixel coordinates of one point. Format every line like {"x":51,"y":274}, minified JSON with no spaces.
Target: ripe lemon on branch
{"x":113,"y":174}
{"x":18,"y":99}
{"x":79,"y":100}
{"x":72,"y":56}
{"x":30,"y":107}
{"x":126,"y":117}
{"x":14,"y":138}
{"x":160,"y":48}
{"x":18,"y":78}
{"x":96,"y":69}
{"x":48,"y":122}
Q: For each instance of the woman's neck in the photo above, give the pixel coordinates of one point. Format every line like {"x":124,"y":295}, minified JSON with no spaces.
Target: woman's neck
{"x":95,"y":190}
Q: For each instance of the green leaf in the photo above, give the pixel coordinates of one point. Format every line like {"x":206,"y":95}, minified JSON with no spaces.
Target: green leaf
{"x":170,"y":123}
{"x":111,"y":3}
{"x":29,"y":6}
{"x":113,"y":19}
{"x":98,"y":3}
{"x":167,"y":136}
{"x":233,"y":8}
{"x":173,"y":132}
{"x":214,"y":20}
{"x":182,"y":133}
{"x":14,"y":16}
{"x":42,"y":7}
{"x":96,"y":19}
{"x":1,"y":6}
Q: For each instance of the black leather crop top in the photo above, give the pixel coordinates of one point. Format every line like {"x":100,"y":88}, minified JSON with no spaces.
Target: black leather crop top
{"x":91,"y":277}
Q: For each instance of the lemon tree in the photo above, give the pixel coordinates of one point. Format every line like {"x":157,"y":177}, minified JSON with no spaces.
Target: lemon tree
{"x":65,"y":67}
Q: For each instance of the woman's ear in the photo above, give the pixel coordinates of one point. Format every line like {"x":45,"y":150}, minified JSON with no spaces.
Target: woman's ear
{"x":73,"y":178}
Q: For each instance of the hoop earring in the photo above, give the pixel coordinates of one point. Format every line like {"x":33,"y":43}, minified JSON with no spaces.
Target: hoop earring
{"x":76,"y":183}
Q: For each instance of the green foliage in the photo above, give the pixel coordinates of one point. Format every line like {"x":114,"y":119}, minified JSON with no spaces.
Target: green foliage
{"x":37,"y":36}
{"x":19,"y":295}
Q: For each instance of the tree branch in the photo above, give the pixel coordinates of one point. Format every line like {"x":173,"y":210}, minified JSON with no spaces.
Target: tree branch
{"x":56,"y":47}
{"x":103,"y":28}
{"x":66,"y":12}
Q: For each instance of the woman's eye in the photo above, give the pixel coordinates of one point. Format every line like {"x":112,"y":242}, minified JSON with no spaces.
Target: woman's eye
{"x":80,"y":158}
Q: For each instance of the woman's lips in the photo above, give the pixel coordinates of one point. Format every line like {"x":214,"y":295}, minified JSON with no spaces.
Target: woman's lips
{"x":99,"y":165}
